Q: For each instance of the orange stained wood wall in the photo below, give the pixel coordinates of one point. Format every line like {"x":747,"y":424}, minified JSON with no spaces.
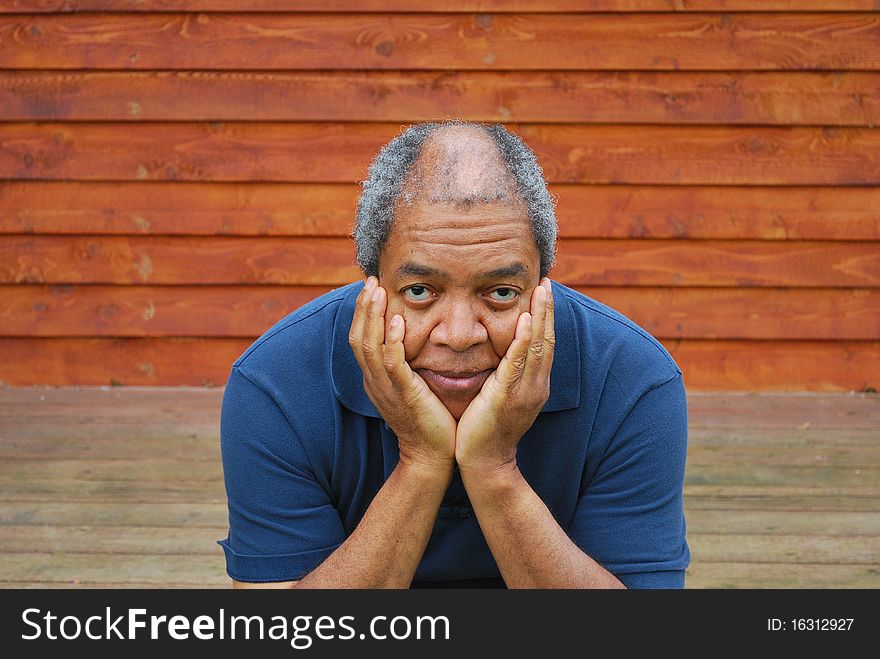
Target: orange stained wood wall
{"x":176,"y":175}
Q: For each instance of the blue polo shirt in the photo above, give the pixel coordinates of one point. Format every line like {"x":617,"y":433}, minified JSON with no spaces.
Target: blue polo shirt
{"x":305,"y":451}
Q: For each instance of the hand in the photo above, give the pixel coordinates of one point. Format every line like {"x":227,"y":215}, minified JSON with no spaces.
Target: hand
{"x":424,"y":427}
{"x":513,"y":395}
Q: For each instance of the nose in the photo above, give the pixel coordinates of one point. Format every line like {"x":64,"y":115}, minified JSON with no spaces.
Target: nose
{"x":459,"y":326}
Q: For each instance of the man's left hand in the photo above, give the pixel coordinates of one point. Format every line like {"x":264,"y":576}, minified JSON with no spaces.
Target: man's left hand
{"x":513,"y":395}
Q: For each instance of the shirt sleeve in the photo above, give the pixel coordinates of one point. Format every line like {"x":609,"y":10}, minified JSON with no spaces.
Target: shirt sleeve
{"x":282,"y":521}
{"x":630,"y":517}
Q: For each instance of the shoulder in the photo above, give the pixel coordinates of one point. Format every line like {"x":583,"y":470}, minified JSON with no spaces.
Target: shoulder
{"x":306,"y":331}
{"x":614,"y":345}
{"x":284,"y":381}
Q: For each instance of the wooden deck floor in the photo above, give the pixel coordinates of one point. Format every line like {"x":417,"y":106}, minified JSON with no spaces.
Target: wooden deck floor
{"x":107,"y":487}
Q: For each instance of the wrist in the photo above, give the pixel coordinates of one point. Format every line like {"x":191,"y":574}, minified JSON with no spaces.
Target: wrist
{"x":427,"y":472}
{"x":494,"y":477}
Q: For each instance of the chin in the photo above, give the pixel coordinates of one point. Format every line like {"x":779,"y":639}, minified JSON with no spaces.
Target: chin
{"x":457,"y":407}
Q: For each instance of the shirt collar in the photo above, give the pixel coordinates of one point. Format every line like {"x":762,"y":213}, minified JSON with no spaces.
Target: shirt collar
{"x":565,"y":376}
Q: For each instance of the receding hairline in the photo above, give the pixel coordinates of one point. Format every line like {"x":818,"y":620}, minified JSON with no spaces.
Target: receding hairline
{"x":450,"y":168}
{"x":518,"y":179}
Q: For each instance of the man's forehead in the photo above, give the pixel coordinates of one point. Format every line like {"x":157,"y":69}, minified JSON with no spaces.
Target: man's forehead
{"x":416,"y":269}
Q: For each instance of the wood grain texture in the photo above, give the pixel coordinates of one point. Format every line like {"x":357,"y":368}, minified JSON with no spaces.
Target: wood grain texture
{"x":85,"y":438}
{"x":159,"y":260}
{"x":780,"y":479}
{"x":253,"y":209}
{"x":551,"y":6}
{"x":99,"y":470}
{"x":707,"y":365}
{"x":671,"y":41}
{"x":88,"y":569}
{"x":131,"y":513}
{"x":778,"y":365}
{"x":174,"y":541}
{"x":244,"y":209}
{"x":341,"y":153}
{"x":211,"y":516}
{"x":39,"y":439}
{"x":767,"y":523}
{"x":710,"y":440}
{"x":802,"y":412}
{"x":762,"y":213}
{"x":617,"y":97}
{"x":744,"y":156}
{"x":215,"y":584}
{"x":194,"y":311}
{"x":117,"y":404}
{"x":812,"y":505}
{"x":176,"y":175}
{"x":781,"y":548}
{"x":103,"y":540}
{"x":780,"y":575}
{"x":786,"y":456}
{"x":97,"y":361}
{"x":141,"y":515}
{"x":160,"y":442}
{"x":303,"y":209}
{"x":241,"y":151}
{"x":722,"y":263}
{"x":22,"y":473}
{"x":748,"y":418}
{"x":330,"y":262}
{"x":247,"y":311}
{"x":146,"y":490}
{"x":708,"y":411}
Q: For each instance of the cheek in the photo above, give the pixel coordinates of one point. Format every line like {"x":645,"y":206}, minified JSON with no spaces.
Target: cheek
{"x":502,"y":336}
{"x":502,"y":329}
{"x":502,"y":325}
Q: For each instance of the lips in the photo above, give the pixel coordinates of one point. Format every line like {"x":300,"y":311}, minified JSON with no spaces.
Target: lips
{"x":454,"y":382}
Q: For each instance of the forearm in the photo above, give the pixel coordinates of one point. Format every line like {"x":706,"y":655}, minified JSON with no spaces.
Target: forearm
{"x":530,"y":548}
{"x":386,"y":547}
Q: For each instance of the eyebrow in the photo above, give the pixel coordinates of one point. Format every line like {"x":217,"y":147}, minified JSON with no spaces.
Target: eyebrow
{"x":411,"y":269}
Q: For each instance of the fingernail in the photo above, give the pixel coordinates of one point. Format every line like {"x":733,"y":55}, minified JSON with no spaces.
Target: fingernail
{"x":377,"y":295}
{"x":371,"y":283}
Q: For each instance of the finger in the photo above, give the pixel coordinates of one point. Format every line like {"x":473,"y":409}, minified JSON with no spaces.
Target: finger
{"x":356,"y":333}
{"x":395,"y":364}
{"x":374,"y":333}
{"x":549,"y":329}
{"x":536,"y":350}
{"x":510,"y":370}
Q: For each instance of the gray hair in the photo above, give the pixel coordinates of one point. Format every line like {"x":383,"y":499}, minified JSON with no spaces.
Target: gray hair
{"x":390,"y":170}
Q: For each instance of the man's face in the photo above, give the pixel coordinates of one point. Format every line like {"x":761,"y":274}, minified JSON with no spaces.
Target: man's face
{"x":460,"y":276}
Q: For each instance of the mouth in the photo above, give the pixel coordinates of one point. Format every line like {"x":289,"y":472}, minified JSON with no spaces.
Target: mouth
{"x":454,"y":382}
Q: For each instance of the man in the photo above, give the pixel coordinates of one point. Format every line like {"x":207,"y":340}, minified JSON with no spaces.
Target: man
{"x":457,"y":419}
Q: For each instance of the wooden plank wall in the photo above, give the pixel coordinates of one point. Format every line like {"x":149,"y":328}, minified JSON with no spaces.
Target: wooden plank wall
{"x":176,"y":176}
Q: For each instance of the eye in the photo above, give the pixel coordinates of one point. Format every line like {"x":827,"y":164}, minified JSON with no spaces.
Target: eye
{"x":417,"y":293}
{"x":504,"y":294}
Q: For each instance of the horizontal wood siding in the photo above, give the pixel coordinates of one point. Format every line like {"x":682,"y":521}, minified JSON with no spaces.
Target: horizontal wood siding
{"x":245,"y":311}
{"x":739,"y":365}
{"x":332,"y":153}
{"x":347,"y":6}
{"x":306,"y":209}
{"x":403,"y":41}
{"x":177,"y":175}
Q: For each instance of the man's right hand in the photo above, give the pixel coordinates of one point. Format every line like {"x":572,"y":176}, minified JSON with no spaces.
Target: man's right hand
{"x":424,"y":427}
